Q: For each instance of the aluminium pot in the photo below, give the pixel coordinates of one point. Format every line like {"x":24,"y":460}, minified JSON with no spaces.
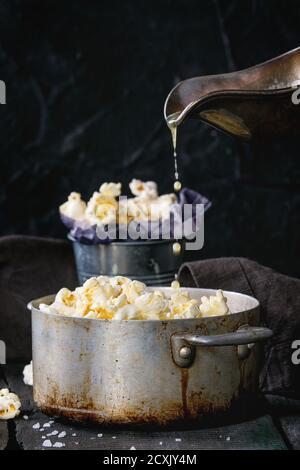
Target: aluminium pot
{"x":138,"y":372}
{"x":153,"y":260}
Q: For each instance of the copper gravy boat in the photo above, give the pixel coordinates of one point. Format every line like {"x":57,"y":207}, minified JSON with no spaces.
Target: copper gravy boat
{"x":247,"y":104}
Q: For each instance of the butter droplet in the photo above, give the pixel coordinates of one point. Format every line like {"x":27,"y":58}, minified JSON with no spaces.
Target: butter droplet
{"x":177,"y":186}
{"x":175,"y":285}
{"x":176,"y":248}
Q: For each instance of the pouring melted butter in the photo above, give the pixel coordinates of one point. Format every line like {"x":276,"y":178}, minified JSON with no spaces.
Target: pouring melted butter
{"x":172,"y":124}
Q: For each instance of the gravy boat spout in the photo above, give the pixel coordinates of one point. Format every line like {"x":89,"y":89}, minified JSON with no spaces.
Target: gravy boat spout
{"x":247,"y":103}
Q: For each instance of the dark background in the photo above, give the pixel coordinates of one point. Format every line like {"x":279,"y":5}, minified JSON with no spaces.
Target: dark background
{"x":86,"y":84}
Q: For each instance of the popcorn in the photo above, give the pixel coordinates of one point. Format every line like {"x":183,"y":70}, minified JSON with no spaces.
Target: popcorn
{"x":124,"y":214}
{"x":179,"y":297}
{"x":74,"y":207}
{"x":138,"y":209}
{"x":151,"y":208}
{"x":106,"y":214}
{"x":128,"y":312}
{"x":91,"y":314}
{"x":110,"y":189}
{"x":214,"y":305}
{"x":133,"y":289}
{"x":167,"y":199}
{"x":109,"y":289}
{"x":119,"y":281}
{"x":143,"y":190}
{"x":189,"y":309}
{"x":65,"y":302}
{"x":101,"y":209}
{"x":48,"y":309}
{"x":151,"y":305}
{"x":9,"y":404}
{"x":28,"y":374}
{"x":120,"y":301}
{"x":120,"y":298}
{"x":161,"y":207}
{"x":96,"y":292}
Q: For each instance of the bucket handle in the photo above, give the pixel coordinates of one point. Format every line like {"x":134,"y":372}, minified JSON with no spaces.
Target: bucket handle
{"x":184,"y":344}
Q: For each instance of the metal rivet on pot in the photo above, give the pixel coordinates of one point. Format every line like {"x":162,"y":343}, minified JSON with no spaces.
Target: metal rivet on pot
{"x":243,"y":351}
{"x":185,"y":352}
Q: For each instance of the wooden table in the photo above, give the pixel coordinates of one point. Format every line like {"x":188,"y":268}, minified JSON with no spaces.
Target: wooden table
{"x":277,"y":428}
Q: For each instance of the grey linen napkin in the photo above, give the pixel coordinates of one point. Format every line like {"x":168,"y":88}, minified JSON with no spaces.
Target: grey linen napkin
{"x":30,"y":267}
{"x":280,"y":307}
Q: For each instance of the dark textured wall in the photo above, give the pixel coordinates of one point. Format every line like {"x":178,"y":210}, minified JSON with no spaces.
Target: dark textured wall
{"x":86,"y":83}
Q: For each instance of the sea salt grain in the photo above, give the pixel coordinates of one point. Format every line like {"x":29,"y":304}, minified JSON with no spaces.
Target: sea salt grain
{"x":228,"y":438}
{"x":74,"y":434}
{"x":132,"y":448}
{"x":177,"y":439}
{"x":25,"y":417}
{"x":53,"y":433}
{"x":62,"y":434}
{"x":42,"y":429}
{"x":160,"y":443}
{"x":47,"y":425}
{"x":99,"y":435}
{"x":47,"y":443}
{"x":59,"y":444}
{"x":36,"y":426}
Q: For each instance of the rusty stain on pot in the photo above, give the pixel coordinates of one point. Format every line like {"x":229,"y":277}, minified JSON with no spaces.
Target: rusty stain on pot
{"x":184,"y":391}
{"x":170,"y":414}
{"x":130,"y":416}
{"x":86,"y":410}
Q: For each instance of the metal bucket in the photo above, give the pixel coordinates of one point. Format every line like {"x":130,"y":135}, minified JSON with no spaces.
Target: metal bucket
{"x":138,"y":371}
{"x":152,"y":262}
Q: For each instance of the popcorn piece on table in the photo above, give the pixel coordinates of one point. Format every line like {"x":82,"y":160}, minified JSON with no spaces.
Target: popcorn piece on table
{"x":9,"y":404}
{"x":28,"y":374}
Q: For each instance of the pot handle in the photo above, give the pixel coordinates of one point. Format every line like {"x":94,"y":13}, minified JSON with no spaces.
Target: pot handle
{"x":184,"y":344}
